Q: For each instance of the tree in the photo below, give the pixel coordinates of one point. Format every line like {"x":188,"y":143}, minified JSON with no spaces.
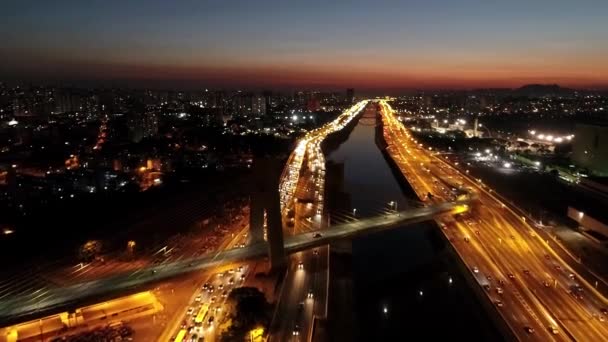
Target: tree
{"x":89,"y":250}
{"x":248,"y":310}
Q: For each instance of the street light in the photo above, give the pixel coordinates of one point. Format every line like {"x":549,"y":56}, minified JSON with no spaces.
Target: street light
{"x":393,"y":204}
{"x":354,"y":211}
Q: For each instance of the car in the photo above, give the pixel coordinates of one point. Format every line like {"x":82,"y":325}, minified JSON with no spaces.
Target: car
{"x":529,"y":330}
{"x":296,"y":330}
{"x":317,"y":235}
{"x":300,"y":265}
{"x":475,"y":269}
{"x":197,"y":298}
{"x":501,"y":282}
{"x":499,"y":303}
{"x":499,"y":290}
{"x":546,"y":283}
{"x":477,"y":232}
{"x":242,"y":277}
{"x":511,"y":276}
{"x":190,"y":311}
{"x":220,"y":287}
{"x":225,"y":294}
{"x":512,"y":237}
{"x":553,"y":330}
{"x":211,"y":320}
{"x":213,"y":299}
{"x":221,"y":274}
{"x":604,"y":311}
{"x":231,"y":271}
{"x":466,"y":239}
{"x":576,"y":295}
{"x":315,"y":252}
{"x":526,"y":271}
{"x":487,"y":287}
{"x":310,"y":294}
{"x":571,"y":276}
{"x":211,"y":288}
{"x":231,"y":281}
{"x":206,"y":286}
{"x":489,"y":277}
{"x":547,"y":257}
{"x":240,"y":268}
{"x":558,"y":267}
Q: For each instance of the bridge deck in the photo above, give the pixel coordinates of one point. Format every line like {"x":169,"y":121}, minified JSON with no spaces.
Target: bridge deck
{"x":18,"y":308}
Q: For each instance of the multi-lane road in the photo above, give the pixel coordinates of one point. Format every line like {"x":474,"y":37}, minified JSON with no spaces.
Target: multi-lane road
{"x":539,"y":295}
{"x":302,"y":194}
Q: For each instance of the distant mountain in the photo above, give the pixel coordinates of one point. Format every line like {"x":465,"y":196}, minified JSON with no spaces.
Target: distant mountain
{"x":542,"y":90}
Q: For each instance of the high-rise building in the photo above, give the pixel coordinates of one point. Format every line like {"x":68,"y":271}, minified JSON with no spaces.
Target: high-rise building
{"x":68,"y":101}
{"x":267,"y":97}
{"x":258,"y":105}
{"x":238,"y":104}
{"x":142,"y":125}
{"x":350,"y":95}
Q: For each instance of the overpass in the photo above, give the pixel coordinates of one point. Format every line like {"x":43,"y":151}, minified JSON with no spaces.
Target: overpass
{"x":45,"y":302}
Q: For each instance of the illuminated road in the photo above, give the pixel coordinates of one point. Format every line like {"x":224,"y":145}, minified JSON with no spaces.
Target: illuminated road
{"x":538,"y":289}
{"x":54,"y":298}
{"x":307,"y":276}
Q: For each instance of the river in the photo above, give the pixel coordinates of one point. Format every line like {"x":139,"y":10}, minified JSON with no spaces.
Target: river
{"x":405,"y":285}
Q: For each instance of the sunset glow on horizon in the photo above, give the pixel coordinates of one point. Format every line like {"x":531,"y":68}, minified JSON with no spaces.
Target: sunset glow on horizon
{"x":392,"y":44}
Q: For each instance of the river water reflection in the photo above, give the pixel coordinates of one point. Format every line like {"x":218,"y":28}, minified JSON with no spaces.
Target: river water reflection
{"x":406,"y":271}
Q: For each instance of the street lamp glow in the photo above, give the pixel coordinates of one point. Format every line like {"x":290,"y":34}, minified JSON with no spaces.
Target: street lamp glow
{"x":507,"y":165}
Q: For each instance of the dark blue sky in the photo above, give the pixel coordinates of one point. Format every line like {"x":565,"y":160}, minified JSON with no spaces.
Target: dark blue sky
{"x":309,"y":43}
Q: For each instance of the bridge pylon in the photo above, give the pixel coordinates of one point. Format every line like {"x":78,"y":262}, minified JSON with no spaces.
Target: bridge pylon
{"x":265,"y":200}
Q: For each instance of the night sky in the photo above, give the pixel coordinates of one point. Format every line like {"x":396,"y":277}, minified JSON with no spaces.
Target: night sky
{"x":378,"y":44}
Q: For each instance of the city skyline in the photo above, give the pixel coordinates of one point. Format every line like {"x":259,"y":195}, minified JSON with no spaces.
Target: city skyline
{"x":386,"y":45}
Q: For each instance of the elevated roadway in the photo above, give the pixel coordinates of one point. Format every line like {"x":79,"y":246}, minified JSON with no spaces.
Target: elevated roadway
{"x":55,"y":299}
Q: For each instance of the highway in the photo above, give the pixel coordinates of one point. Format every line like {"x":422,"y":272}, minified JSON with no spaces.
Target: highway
{"x":12,"y":308}
{"x":534,"y":290}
